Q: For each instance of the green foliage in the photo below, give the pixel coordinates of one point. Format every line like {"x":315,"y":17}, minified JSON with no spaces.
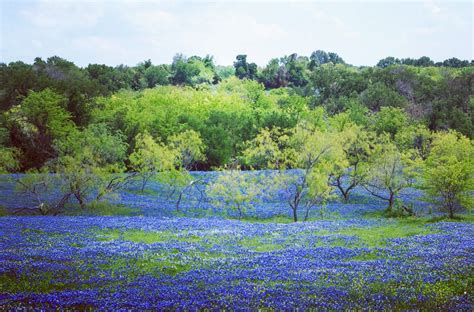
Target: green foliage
{"x":389,"y":172}
{"x":189,"y":146}
{"x":244,"y":69}
{"x":151,"y":157}
{"x":87,"y":159}
{"x":448,"y":174}
{"x":390,"y":120}
{"x":234,"y":190}
{"x":9,"y":159}
{"x":378,"y":95}
{"x":351,"y":169}
{"x":36,"y":123}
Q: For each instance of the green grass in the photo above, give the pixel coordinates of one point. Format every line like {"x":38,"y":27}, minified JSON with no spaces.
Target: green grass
{"x":147,"y":237}
{"x":100,"y":209}
{"x":260,"y":244}
{"x":377,"y":236}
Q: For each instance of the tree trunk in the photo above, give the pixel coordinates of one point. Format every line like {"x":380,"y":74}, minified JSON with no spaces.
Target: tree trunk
{"x":391,"y":200}
{"x":295,"y":215}
{"x":345,"y":195}
{"x":240,"y":212}
{"x":80,"y":200}
{"x":451,"y":210}
{"x":144,"y":180}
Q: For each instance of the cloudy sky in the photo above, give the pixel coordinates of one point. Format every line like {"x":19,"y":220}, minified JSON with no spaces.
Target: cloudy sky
{"x":127,"y":32}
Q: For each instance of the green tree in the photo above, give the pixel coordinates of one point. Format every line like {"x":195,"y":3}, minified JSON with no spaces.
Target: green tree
{"x":35,"y":124}
{"x":189,"y":147}
{"x":351,"y":170}
{"x":244,"y":69}
{"x":151,"y":157}
{"x":390,"y":120}
{"x":448,"y":174}
{"x":234,"y":190}
{"x":378,"y":95}
{"x":9,"y":159}
{"x":87,"y":161}
{"x":389,"y":172}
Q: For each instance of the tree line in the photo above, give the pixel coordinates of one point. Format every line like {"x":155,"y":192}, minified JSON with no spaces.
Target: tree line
{"x":101,"y":127}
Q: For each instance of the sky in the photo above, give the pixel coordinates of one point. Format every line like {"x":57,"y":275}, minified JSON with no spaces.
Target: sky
{"x":127,"y":32}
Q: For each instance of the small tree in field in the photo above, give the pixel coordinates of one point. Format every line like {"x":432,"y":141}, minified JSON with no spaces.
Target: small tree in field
{"x":390,"y":171}
{"x":40,"y":186}
{"x":151,"y":157}
{"x":234,"y":190}
{"x":8,"y":159}
{"x":311,"y":151}
{"x":351,"y":170}
{"x":189,"y":148}
{"x":449,"y":172}
{"x":89,"y":161}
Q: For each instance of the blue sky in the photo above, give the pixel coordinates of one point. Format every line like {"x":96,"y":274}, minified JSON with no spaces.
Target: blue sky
{"x":126,"y":32}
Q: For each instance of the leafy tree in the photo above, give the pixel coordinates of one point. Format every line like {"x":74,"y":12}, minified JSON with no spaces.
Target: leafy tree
{"x":157,"y":75}
{"x":151,"y":157}
{"x":320,"y":57}
{"x":390,"y":171}
{"x":388,"y":61}
{"x":244,"y":69}
{"x":35,"y":124}
{"x":224,"y":72}
{"x":333,"y":81}
{"x":295,"y":68}
{"x":316,"y":154}
{"x":190,"y":148}
{"x":448,"y":174}
{"x":351,"y":170}
{"x":269,"y":149}
{"x":311,"y":151}
{"x":234,"y":190}
{"x":415,"y":138}
{"x":9,"y":159}
{"x":88,"y":160}
{"x":389,"y":120}
{"x":273,"y":75}
{"x":378,"y":95}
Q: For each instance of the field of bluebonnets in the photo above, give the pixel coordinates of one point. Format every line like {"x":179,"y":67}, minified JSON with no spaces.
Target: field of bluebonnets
{"x":154,"y":258}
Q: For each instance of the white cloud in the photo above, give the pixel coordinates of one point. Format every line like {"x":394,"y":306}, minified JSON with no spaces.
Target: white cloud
{"x":432,"y":7}
{"x":151,"y":20}
{"x":63,"y":14}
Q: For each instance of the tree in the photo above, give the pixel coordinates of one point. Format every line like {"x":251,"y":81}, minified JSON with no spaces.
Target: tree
{"x":244,"y":69}
{"x":189,"y":147}
{"x":157,"y":75}
{"x":41,"y":187}
{"x":269,"y":149}
{"x":390,"y":171}
{"x":88,"y":161}
{"x":389,"y":120}
{"x":448,"y":174}
{"x":234,"y":190}
{"x":9,"y":159}
{"x":317,"y":152}
{"x":35,"y":124}
{"x":378,"y":95}
{"x":351,"y":170}
{"x":388,"y":61}
{"x":151,"y":157}
{"x":311,"y":151}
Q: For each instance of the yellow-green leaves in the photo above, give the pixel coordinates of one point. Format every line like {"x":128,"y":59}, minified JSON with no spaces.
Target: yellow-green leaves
{"x":234,"y":190}
{"x":189,"y":147}
{"x":449,"y":171}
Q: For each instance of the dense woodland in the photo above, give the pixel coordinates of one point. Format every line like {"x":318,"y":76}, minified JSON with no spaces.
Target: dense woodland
{"x":334,"y":121}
